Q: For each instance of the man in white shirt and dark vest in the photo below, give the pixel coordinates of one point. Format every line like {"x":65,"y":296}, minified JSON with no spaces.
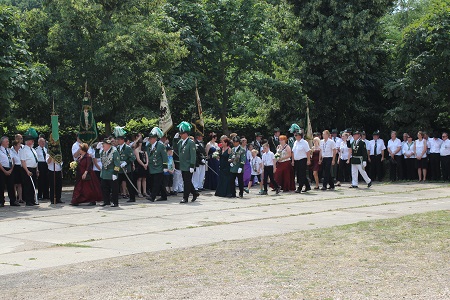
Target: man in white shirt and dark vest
{"x":6,"y":171}
{"x":445,"y":156}
{"x":395,"y":157}
{"x":328,"y":159}
{"x":28,"y":157}
{"x":301,"y":158}
{"x":43,"y":186}
{"x":434,"y":157}
{"x":376,"y":156}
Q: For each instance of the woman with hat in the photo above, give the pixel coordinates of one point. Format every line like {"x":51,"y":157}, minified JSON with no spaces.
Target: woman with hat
{"x":87,"y":186}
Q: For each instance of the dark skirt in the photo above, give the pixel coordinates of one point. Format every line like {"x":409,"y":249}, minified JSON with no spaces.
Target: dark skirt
{"x":140,"y":171}
{"x":87,"y":190}
{"x":422,"y":163}
{"x":284,"y":176}
{"x":17,"y":174}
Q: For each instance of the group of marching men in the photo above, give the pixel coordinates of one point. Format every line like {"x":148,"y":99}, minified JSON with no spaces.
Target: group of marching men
{"x":25,"y":168}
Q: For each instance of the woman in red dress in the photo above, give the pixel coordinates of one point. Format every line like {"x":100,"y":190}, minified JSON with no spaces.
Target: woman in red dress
{"x":87,"y":186}
{"x":284,"y":175}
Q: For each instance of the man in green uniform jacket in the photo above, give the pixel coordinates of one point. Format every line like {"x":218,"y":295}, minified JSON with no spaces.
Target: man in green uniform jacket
{"x":110,"y":169}
{"x":187,"y":154}
{"x":127,"y":159}
{"x":358,"y":160}
{"x":157,"y":165}
{"x":237,"y":162}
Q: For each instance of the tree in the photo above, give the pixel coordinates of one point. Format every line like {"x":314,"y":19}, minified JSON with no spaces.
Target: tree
{"x":20,"y":76}
{"x":231,"y":46}
{"x":120,"y":48}
{"x":343,"y":61}
{"x":421,"y":92}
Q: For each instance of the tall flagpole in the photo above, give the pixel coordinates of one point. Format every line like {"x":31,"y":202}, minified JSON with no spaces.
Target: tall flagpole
{"x":54,"y":163}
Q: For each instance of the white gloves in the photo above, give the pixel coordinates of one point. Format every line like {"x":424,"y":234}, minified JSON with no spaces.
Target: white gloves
{"x":166,"y":170}
{"x":231,"y":165}
{"x":177,"y":135}
{"x":99,"y":145}
{"x":114,"y":177}
{"x":203,"y":161}
{"x":239,"y":170}
{"x":364,"y":164}
{"x":123,"y":164}
{"x":191,"y":170}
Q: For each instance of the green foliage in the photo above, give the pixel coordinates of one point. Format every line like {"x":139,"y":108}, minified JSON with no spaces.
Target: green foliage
{"x":420,"y":90}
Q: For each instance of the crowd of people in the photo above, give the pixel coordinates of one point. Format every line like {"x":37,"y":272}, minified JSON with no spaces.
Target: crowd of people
{"x":154,"y":169}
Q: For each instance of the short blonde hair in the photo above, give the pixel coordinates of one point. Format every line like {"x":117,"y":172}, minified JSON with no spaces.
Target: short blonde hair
{"x":255,"y":151}
{"x":326,"y":132}
{"x":316,"y":139}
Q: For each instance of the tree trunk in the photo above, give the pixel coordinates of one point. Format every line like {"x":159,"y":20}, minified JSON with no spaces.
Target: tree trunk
{"x":107,"y":127}
{"x":223,"y":110}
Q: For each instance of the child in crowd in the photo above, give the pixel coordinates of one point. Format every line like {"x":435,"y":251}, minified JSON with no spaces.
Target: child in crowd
{"x":270,"y":167}
{"x":168,"y":176}
{"x":257,"y":168}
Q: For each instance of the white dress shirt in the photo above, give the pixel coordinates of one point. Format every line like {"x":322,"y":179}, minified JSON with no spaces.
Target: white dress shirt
{"x":393,"y":145}
{"x":41,"y":153}
{"x":75,"y":148}
{"x":5,"y":157}
{"x":91,"y":152}
{"x":408,"y":149}
{"x":268,"y":158}
{"x":419,"y":147}
{"x":29,"y":155}
{"x":53,"y":164}
{"x":337,"y":140}
{"x":300,"y":149}
{"x":445,"y":148}
{"x":15,"y":156}
{"x":344,"y":151}
{"x":435,"y":145}
{"x":380,"y":146}
{"x":327,"y":147}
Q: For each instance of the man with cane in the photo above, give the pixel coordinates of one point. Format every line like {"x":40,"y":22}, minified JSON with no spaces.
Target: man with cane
{"x":28,"y":157}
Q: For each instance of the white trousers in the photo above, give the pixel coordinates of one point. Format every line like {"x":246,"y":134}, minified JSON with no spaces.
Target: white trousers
{"x":198,"y":177}
{"x":177,"y":181}
{"x":357,"y":168}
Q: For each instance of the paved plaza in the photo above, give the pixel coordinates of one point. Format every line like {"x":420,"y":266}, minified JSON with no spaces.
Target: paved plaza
{"x":57,"y":235}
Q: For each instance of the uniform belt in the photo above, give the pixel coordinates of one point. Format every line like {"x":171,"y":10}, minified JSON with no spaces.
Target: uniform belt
{"x":376,"y":155}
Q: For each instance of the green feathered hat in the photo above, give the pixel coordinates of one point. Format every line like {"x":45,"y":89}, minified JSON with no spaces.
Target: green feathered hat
{"x":30,"y":134}
{"x":184,"y":127}
{"x":156,"y":132}
{"x":119,"y":132}
{"x":294,"y":128}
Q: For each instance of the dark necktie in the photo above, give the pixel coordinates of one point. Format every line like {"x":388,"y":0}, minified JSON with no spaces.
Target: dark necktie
{"x":43,"y":153}
{"x":9,"y":158}
{"x":375,"y":149}
{"x":35,"y":158}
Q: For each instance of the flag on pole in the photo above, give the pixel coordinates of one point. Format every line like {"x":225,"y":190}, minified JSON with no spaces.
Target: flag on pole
{"x":308,"y":131}
{"x":165,"y":118}
{"x":88,"y":128}
{"x":54,"y":144}
{"x":200,"y":121}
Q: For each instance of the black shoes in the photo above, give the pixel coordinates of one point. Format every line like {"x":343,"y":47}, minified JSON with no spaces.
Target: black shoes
{"x":131,"y":200}
{"x":161,"y":199}
{"x":14,"y":204}
{"x":195,"y":197}
{"x":277,"y":190}
{"x":115,"y":205}
{"x":92,"y":204}
{"x":369,"y":184}
{"x":184,"y":201}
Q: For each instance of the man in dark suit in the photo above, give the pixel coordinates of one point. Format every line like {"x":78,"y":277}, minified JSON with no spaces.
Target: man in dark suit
{"x":274,"y":140}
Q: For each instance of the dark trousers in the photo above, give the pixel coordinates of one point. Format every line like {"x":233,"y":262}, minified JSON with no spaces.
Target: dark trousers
{"x":43,"y":186}
{"x":300,"y":167}
{"x":396,"y":169}
{"x":326,"y":167}
{"x":411,"y":170}
{"x":376,"y":170}
{"x":188,"y":186}
{"x":110,"y":191}
{"x":445,"y":163}
{"x":268,"y":173}
{"x":28,"y":192}
{"x":158,"y":186}
{"x":122,"y":177}
{"x":435,"y":166}
{"x":7,"y":181}
{"x":344,"y":170}
{"x":240,"y":177}
{"x":97,"y":173}
{"x":55,"y":181}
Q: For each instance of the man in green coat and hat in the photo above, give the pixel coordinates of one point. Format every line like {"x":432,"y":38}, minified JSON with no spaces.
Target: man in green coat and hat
{"x":127,"y":159}
{"x":157,"y":165}
{"x":187,"y":154}
{"x":237,"y":163}
{"x":109,"y":175}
